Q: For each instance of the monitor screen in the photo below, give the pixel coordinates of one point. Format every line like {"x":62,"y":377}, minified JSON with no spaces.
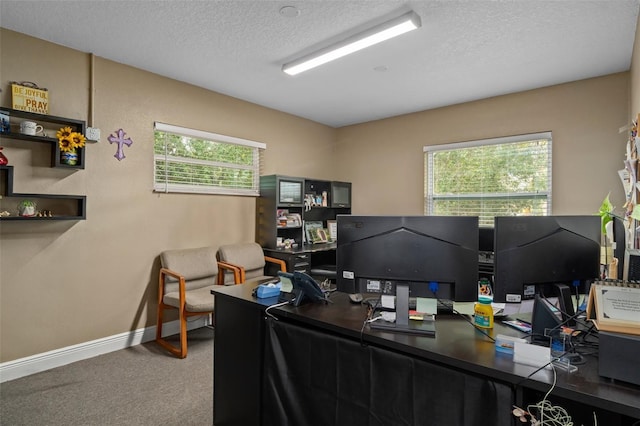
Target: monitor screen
{"x":340,"y":194}
{"x":533,"y":253}
{"x":290,"y":192}
{"x":377,"y":253}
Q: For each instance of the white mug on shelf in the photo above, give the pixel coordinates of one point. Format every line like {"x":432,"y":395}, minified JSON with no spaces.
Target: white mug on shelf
{"x":30,"y":128}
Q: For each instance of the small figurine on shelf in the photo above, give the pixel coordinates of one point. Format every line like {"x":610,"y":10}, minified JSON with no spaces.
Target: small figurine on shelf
{"x":3,"y":160}
{"x":27,"y":208}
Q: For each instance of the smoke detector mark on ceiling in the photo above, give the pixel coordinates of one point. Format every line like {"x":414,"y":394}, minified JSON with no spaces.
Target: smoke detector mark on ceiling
{"x":289,"y":11}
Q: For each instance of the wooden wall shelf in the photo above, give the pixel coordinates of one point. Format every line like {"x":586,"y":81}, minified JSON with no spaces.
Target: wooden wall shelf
{"x":63,"y":207}
{"x":57,"y":207}
{"x":51,"y":125}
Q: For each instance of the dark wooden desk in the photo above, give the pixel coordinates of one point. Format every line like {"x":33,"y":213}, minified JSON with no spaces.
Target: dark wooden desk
{"x":304,"y":258}
{"x":239,"y":371}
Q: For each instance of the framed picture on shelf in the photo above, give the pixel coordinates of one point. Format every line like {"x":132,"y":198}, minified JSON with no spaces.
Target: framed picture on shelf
{"x":322,"y":235}
{"x":332,"y":227}
{"x":4,"y":123}
{"x":311,"y":228}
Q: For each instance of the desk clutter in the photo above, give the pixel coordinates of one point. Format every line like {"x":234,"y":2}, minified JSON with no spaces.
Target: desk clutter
{"x":546,"y":340}
{"x":572,"y":391}
{"x":382,"y":260}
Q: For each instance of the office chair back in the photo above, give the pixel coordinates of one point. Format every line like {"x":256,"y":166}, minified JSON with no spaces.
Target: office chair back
{"x":250,"y":258}
{"x":198,"y":266}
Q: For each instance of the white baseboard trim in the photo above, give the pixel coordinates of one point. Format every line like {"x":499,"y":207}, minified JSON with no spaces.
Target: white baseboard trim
{"x":15,"y":369}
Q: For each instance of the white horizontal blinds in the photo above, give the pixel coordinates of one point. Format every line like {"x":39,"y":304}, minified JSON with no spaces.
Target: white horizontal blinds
{"x":494,"y":177}
{"x":193,"y":161}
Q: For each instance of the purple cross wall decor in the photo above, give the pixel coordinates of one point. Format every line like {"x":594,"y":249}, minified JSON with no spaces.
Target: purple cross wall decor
{"x":119,"y":138}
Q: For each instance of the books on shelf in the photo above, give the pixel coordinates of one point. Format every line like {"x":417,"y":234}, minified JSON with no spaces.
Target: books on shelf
{"x":288,"y":220}
{"x":615,"y":306}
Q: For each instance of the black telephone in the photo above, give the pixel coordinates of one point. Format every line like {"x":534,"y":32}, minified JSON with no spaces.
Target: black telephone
{"x":304,"y":287}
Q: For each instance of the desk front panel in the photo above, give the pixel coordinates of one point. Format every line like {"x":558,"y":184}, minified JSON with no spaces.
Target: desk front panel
{"x":460,"y":345}
{"x":320,"y":378}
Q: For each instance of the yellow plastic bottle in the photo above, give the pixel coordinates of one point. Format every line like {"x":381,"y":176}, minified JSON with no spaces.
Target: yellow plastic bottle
{"x":483,"y":312}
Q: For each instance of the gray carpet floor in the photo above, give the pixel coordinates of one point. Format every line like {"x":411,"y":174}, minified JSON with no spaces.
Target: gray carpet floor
{"x":141,"y":385}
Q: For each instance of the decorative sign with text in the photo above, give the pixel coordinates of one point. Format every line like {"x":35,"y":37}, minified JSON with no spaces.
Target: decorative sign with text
{"x":27,"y":96}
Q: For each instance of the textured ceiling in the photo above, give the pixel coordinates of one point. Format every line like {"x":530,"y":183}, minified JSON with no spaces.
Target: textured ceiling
{"x":464,"y":51}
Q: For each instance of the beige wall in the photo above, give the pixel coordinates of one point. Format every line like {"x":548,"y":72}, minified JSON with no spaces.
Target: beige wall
{"x":584,"y":117}
{"x":63,"y":284}
{"x":67,"y":283}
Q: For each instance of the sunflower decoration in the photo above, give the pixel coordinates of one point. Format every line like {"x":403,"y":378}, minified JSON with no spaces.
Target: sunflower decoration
{"x":69,"y":140}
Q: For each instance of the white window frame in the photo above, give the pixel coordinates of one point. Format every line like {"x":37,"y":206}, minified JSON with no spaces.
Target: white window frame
{"x":429,"y":150}
{"x":169,"y":187}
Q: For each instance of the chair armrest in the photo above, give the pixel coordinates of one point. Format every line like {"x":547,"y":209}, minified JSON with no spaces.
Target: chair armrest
{"x":174,"y":274}
{"x":282,"y":263}
{"x":238,"y":272}
{"x":181,"y":284}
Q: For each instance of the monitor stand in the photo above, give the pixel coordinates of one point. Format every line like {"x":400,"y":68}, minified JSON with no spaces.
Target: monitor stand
{"x":403,"y":324}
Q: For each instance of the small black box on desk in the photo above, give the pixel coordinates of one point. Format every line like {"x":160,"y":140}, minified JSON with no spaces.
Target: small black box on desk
{"x":619,"y":356}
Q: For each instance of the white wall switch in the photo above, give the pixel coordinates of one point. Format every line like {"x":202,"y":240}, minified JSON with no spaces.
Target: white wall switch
{"x":93,"y":134}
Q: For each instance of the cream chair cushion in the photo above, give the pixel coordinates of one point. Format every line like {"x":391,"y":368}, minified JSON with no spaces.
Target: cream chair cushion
{"x":199,"y":267}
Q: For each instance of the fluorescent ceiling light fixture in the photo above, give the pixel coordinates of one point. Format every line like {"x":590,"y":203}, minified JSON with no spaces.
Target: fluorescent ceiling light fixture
{"x":395,"y":27}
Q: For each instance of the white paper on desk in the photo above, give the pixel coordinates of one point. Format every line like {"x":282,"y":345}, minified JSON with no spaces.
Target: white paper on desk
{"x":533,"y":355}
{"x":523,"y":307}
{"x":465,"y":308}
{"x":387,"y":301}
{"x":426,"y":305}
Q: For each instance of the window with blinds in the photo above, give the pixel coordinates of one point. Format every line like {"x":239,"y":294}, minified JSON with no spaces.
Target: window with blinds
{"x":193,"y":161}
{"x":508,"y":176}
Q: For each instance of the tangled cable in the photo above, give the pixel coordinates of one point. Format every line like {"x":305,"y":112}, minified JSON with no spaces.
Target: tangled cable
{"x":550,"y":415}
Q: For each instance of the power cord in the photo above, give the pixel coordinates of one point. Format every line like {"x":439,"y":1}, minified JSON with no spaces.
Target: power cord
{"x":576,"y":340}
{"x":371,"y":308}
{"x":277,"y":305}
{"x":550,"y":415}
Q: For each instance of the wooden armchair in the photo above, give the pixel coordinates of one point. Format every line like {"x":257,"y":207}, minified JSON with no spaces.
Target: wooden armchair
{"x":249,"y":258}
{"x":186,"y":279}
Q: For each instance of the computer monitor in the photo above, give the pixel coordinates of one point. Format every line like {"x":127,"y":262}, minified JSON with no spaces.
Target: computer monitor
{"x":542,"y":254}
{"x":407,"y":256}
{"x":619,"y":236}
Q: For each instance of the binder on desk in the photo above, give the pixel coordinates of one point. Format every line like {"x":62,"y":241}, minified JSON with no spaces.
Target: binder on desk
{"x":615,"y":306}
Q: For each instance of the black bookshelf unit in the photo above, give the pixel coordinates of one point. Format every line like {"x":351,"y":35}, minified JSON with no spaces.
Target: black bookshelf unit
{"x":50,"y":206}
